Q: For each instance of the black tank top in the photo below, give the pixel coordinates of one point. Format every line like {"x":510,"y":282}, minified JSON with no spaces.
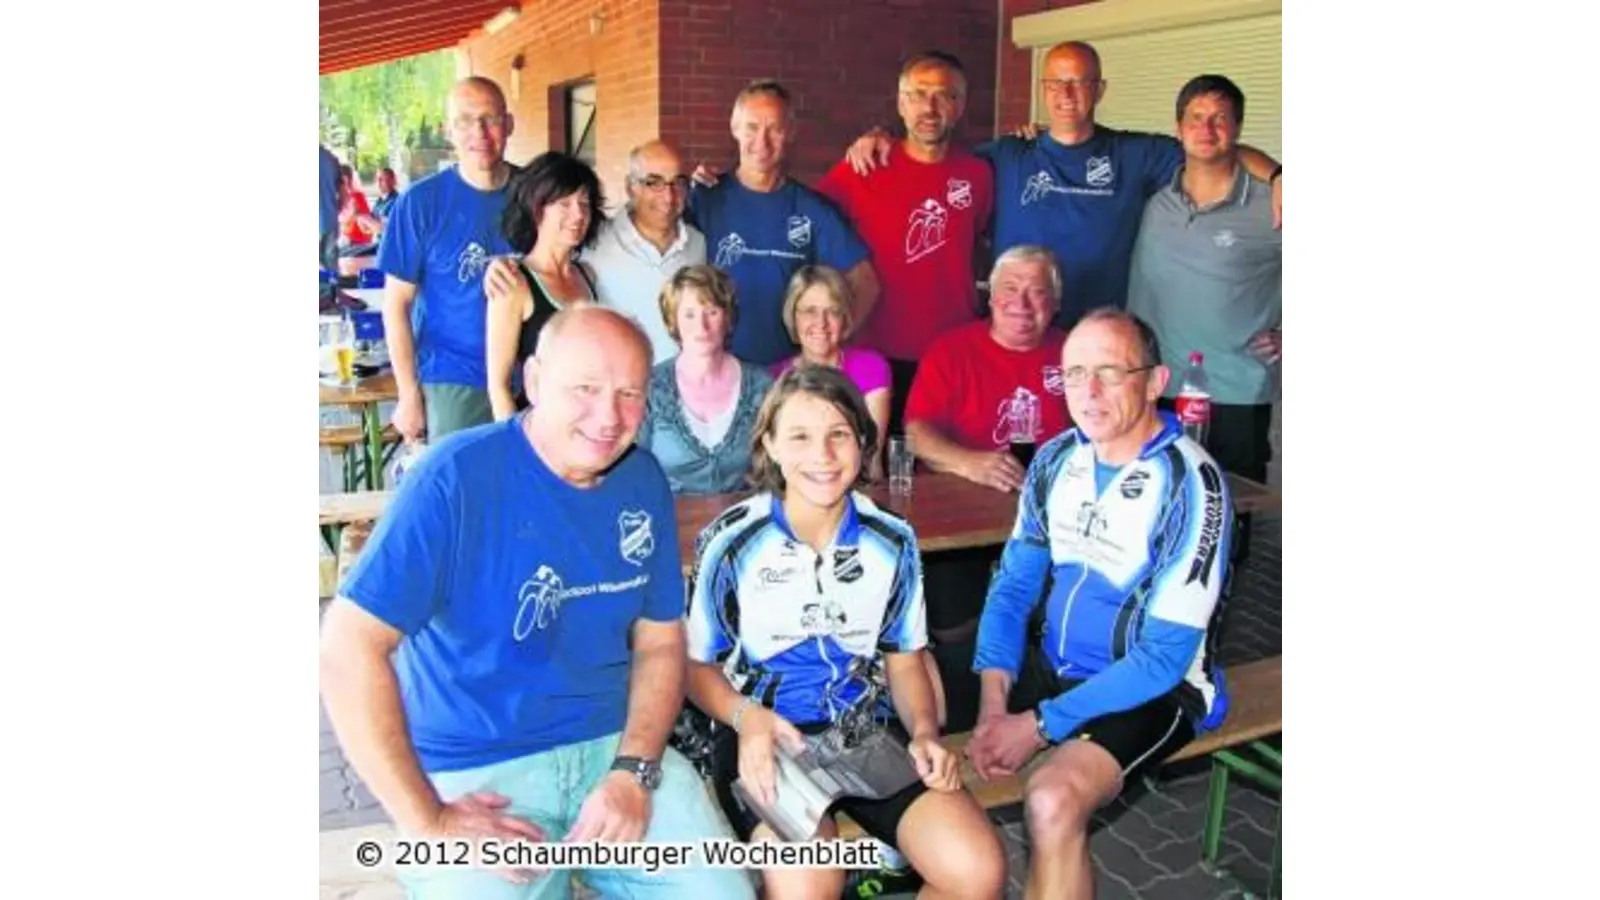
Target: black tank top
{"x":543,"y":309}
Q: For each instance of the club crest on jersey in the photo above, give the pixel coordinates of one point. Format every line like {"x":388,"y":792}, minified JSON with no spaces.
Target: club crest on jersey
{"x":638,"y":542}
{"x":799,"y":230}
{"x":958,"y":193}
{"x":1099,"y":172}
{"x":847,"y":564}
{"x":1133,"y":485}
{"x":1053,"y":383}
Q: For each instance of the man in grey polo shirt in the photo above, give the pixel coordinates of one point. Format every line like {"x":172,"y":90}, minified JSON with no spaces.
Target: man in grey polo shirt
{"x":1207,"y":275}
{"x":642,"y":246}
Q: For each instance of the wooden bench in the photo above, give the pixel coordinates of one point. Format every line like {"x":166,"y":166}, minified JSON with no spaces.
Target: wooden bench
{"x":350,"y":442}
{"x":1255,"y":711}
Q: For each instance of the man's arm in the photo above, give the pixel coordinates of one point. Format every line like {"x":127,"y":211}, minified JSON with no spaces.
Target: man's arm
{"x":362,"y":696}
{"x":655,"y":687}
{"x":864,"y":285}
{"x":995,"y":468}
{"x":398,"y":296}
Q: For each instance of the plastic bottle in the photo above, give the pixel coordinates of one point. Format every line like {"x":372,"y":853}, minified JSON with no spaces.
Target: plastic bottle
{"x":1194,"y":400}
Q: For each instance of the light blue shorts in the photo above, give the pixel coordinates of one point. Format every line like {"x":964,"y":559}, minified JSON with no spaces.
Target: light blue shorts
{"x":549,"y":788}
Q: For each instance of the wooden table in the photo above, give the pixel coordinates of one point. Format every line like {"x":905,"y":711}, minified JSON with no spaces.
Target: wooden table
{"x":366,"y":393}
{"x":946,"y":511}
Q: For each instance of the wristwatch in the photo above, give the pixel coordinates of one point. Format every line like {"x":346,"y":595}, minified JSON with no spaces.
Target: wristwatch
{"x":645,"y":771}
{"x":1038,"y":717}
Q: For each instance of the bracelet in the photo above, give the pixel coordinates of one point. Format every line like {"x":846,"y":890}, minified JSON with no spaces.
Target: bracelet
{"x":738,"y":714}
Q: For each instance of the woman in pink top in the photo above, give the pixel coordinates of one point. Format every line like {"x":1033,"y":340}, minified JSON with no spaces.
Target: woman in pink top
{"x":816,"y":310}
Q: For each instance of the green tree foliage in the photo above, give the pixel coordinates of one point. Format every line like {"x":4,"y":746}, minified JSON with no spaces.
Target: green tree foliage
{"x":377,"y":113}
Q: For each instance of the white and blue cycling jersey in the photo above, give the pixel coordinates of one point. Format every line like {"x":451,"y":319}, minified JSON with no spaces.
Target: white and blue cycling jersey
{"x":1135,"y":561}
{"x":800,"y":632}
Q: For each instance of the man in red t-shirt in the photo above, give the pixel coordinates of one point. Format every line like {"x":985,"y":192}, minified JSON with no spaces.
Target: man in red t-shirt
{"x":920,"y":217}
{"x":960,"y":413}
{"x":960,"y":418}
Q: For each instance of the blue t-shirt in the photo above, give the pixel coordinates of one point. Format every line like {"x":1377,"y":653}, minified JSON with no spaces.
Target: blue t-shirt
{"x":760,"y":239}
{"x":440,"y":237}
{"x":517,"y":633}
{"x":1083,"y":203}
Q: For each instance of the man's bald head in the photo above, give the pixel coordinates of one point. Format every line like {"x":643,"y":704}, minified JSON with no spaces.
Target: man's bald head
{"x":474,"y":88}
{"x":650,"y":154}
{"x":1081,"y":53}
{"x":586,"y":383}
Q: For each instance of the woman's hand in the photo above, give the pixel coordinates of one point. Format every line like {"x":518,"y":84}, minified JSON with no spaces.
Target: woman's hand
{"x":759,"y":733}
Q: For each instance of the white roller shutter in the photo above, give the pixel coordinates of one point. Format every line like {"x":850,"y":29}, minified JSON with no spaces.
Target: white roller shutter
{"x":1148,"y":50}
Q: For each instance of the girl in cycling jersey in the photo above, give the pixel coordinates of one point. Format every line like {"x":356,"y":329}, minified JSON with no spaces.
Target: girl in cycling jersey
{"x":805,"y":597}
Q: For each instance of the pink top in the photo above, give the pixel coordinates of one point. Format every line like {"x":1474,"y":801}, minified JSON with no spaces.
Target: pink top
{"x":867,"y":368}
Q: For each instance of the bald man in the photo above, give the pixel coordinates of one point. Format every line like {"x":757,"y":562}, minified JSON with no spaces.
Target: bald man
{"x":438,"y":240}
{"x":645,"y":244}
{"x":537,"y":677}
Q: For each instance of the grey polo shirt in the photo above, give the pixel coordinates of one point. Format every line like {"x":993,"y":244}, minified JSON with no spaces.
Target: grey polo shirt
{"x":1210,"y":280}
{"x":629,"y":272}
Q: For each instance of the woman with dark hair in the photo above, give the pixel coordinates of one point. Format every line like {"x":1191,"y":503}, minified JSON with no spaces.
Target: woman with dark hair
{"x":553,"y":209}
{"x":806,"y":616}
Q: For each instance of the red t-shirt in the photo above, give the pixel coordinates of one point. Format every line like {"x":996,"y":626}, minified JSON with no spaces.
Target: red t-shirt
{"x":921,"y":221}
{"x":357,"y":204}
{"x":966,"y":380}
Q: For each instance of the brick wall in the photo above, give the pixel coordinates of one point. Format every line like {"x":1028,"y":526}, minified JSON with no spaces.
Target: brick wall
{"x":839,"y":58}
{"x":554,"y":39}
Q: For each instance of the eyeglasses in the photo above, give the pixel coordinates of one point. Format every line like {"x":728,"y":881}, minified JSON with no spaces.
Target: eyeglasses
{"x":921,"y":97}
{"x":1110,"y":376}
{"x":473,"y":123}
{"x":1061,"y":86}
{"x":657,"y":183}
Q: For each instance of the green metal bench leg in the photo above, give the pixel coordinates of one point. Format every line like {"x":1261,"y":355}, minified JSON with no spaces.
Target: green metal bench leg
{"x":1216,"y":808}
{"x":374,"y":447}
{"x":351,"y":473}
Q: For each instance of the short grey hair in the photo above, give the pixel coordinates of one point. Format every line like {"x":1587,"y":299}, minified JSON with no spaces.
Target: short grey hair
{"x":771,"y":88}
{"x":1030,"y":253}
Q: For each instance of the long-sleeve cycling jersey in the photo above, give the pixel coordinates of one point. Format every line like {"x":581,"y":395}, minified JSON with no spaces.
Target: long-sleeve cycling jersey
{"x":1135,"y":572}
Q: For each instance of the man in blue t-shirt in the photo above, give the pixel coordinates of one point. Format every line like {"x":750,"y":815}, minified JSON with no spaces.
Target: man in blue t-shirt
{"x":1078,"y":189}
{"x":760,"y":226}
{"x":527,"y":584}
{"x":329,"y":199}
{"x":439,"y":238}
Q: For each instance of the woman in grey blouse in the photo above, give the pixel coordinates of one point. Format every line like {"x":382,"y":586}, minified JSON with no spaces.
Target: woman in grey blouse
{"x":701,"y":409}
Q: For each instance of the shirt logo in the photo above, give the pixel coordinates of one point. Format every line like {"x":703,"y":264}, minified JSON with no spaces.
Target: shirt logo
{"x":925,"y":230}
{"x":1133,"y":485}
{"x":847,"y":565}
{"x":637,"y":540}
{"x":473,"y":260}
{"x":819,"y":618}
{"x":1038,"y":186}
{"x":958,"y":193}
{"x":1053,"y":382}
{"x":1099,"y":173}
{"x":799,"y":231}
{"x":1225,"y":238}
{"x":732,"y":248}
{"x":538,"y":602}
{"x":770,"y":577}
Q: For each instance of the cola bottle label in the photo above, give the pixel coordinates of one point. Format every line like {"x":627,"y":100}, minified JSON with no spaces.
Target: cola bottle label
{"x":1192,"y":410}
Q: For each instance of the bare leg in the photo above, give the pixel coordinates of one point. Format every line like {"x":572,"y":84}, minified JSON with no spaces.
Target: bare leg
{"x":1076,"y":779}
{"x":799,"y":884}
{"x":953,"y":846}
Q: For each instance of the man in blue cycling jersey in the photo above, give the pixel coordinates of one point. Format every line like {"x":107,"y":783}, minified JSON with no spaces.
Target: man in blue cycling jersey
{"x":1122,"y":533}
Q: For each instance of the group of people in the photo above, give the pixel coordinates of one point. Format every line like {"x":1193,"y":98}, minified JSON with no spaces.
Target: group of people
{"x":513,"y":649}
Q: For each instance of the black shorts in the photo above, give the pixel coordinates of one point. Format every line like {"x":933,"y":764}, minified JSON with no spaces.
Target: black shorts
{"x":878,"y":818}
{"x":1139,"y":738}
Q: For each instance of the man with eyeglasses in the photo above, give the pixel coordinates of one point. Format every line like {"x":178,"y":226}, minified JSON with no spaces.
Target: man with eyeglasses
{"x":1208,"y":275}
{"x":440,"y":237}
{"x":645,"y":244}
{"x":920,"y":217}
{"x":1122,"y":534}
{"x":1080,"y":188}
{"x":761,"y":225}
